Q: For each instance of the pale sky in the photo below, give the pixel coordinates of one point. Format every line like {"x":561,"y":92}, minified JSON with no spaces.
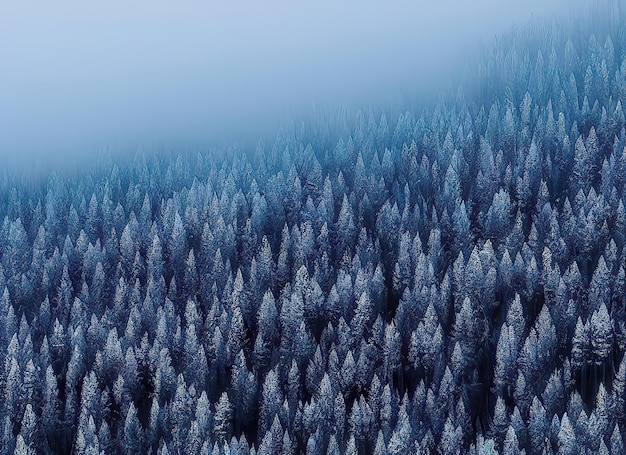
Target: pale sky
{"x":76,"y":76}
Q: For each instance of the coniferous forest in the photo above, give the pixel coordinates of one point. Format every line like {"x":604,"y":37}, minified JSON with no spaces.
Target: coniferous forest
{"x":368,"y":282}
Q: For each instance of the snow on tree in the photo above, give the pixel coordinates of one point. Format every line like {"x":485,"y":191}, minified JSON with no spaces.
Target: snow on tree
{"x":367,"y":282}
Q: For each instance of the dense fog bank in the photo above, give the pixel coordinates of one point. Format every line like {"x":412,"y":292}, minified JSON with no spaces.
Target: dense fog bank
{"x":78,"y":78}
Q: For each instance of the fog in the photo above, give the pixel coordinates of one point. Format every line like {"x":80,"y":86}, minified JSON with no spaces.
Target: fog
{"x":77,"y":77}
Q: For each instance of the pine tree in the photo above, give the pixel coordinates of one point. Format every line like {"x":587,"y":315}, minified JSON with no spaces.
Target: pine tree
{"x":567,"y":437}
{"x":133,"y":434}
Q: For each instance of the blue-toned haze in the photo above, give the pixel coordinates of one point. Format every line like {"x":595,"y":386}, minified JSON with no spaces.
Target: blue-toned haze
{"x":77,"y":77}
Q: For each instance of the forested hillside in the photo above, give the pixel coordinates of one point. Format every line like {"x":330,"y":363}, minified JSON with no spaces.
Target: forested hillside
{"x":446,"y":281}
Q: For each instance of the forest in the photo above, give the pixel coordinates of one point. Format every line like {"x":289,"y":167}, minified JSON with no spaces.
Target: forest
{"x":370,"y":281}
